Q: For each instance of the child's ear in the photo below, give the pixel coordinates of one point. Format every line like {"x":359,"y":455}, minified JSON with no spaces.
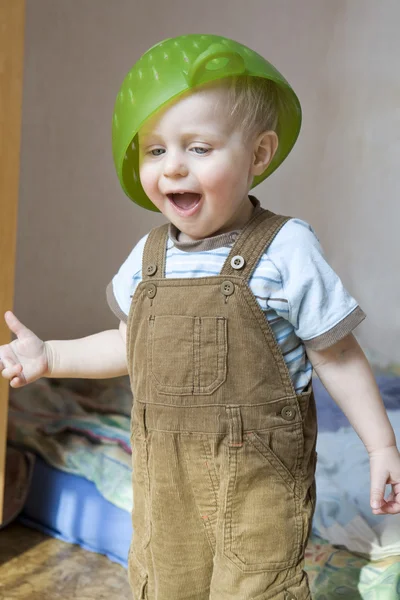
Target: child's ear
{"x":264,"y":149}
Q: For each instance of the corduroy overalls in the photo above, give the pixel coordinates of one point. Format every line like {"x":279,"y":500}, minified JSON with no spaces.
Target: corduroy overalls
{"x":223,"y":448}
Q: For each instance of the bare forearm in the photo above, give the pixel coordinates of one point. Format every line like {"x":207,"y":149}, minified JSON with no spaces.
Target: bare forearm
{"x":347,"y":375}
{"x":101,"y":355}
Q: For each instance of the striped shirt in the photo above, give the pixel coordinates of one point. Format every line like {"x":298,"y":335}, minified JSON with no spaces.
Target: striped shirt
{"x":302,"y":298}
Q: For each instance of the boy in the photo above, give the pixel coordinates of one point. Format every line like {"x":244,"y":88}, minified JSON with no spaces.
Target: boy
{"x":223,"y":313}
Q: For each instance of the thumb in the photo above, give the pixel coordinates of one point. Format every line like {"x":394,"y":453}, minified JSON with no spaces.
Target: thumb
{"x":15,"y":325}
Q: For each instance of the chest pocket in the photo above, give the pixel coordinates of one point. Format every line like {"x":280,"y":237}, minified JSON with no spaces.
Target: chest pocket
{"x":187,"y":355}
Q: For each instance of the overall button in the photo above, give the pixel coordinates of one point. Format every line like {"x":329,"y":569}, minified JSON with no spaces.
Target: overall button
{"x":151,"y":269}
{"x":151,"y":290}
{"x":227,"y":288}
{"x":237,"y":262}
{"x":288,"y":413}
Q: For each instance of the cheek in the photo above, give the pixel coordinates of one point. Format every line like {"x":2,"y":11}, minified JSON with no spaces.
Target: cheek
{"x":147,"y":178}
{"x":224,"y":175}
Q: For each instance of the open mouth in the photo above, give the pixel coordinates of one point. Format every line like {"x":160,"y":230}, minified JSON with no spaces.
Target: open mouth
{"x":185,"y":202}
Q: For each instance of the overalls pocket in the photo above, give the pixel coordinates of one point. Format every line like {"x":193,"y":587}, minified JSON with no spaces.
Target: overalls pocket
{"x":263,"y":526}
{"x":187,"y":355}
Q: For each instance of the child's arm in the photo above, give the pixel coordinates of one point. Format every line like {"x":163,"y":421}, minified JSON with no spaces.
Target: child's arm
{"x":347,"y":375}
{"x":27,"y":357}
{"x":101,"y":355}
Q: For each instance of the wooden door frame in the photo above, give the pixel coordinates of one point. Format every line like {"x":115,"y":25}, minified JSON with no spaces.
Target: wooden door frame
{"x":12,"y":26}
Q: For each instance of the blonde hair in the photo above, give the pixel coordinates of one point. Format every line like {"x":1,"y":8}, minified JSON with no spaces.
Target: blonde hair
{"x":253,"y":103}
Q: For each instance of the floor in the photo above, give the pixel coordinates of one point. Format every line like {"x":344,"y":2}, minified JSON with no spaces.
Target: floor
{"x":36,"y":567}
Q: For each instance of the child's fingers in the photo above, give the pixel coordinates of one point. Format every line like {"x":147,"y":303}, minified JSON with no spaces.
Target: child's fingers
{"x":10,"y":369}
{"x":3,"y":356}
{"x":391,"y":504}
{"x":15,"y":324}
{"x":377,"y":494}
{"x":17,"y":382}
{"x":391,"y":497}
{"x":380,"y":477}
{"x":4,"y":363}
{"x":390,"y":508}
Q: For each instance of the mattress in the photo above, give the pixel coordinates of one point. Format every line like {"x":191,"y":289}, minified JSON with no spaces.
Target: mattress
{"x":70,"y":508}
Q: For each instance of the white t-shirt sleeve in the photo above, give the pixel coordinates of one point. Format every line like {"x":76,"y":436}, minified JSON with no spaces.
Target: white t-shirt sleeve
{"x":123,"y":285}
{"x":320,"y":308}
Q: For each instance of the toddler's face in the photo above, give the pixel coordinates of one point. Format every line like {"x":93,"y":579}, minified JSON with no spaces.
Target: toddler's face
{"x":195,"y":167}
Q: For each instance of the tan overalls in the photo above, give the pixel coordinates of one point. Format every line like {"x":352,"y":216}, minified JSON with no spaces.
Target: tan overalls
{"x":223,"y":448}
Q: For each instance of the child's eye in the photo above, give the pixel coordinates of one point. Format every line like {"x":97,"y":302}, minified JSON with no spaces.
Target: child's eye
{"x":157,"y":151}
{"x":200,"y":150}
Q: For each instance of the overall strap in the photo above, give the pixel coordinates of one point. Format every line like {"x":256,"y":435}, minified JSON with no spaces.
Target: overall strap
{"x":153,"y":262}
{"x":251,"y":244}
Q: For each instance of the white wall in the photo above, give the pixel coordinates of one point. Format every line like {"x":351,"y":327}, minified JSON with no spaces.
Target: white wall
{"x":75,"y":224}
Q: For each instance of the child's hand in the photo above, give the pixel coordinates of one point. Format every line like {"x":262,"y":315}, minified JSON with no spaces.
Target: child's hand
{"x":385,"y":469}
{"x":23,"y":360}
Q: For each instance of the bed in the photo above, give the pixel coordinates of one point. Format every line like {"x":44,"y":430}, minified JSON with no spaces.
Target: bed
{"x":80,"y":490}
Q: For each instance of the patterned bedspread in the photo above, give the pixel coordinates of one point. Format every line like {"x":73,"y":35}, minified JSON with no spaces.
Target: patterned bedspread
{"x":336,"y":573}
{"x":80,"y":427}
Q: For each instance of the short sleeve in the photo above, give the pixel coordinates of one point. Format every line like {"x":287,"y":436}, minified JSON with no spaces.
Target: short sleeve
{"x":320,"y":308}
{"x":123,"y":285}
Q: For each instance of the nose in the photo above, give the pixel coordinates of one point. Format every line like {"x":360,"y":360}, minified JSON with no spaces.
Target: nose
{"x":174,"y":165}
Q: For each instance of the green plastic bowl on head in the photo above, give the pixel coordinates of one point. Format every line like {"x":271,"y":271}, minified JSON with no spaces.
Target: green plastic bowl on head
{"x":172,"y":68}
